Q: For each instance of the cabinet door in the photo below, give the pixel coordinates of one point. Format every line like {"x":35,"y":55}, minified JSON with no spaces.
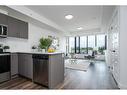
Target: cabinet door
{"x":56,"y":70}
{"x":14,"y":64}
{"x":3,"y":19}
{"x":21,"y":64}
{"x":26,"y":65}
{"x":29,"y":66}
{"x":13,"y":27}
{"x":23,"y":30}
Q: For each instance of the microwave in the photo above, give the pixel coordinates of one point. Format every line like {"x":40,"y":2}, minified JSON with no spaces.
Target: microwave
{"x":3,"y":31}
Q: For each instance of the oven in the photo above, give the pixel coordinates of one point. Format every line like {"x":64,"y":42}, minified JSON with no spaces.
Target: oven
{"x":4,"y":67}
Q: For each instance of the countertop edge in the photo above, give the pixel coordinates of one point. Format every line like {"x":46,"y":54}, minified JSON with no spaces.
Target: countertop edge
{"x":38,"y":53}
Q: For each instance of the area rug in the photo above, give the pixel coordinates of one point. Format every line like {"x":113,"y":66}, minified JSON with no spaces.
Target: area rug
{"x":79,"y":64}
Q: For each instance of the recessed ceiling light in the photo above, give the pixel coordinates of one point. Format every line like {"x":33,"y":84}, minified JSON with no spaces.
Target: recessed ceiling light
{"x":79,"y":28}
{"x":69,"y":17}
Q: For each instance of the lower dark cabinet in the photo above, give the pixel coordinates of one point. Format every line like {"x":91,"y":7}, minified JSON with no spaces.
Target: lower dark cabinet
{"x":25,"y":65}
{"x":14,"y":64}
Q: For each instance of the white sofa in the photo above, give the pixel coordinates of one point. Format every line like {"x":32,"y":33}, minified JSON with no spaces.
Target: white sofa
{"x":82,"y":56}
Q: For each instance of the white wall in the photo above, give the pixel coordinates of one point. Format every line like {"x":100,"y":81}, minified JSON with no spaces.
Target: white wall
{"x":35,"y":33}
{"x":122,"y":66}
{"x":123,"y":46}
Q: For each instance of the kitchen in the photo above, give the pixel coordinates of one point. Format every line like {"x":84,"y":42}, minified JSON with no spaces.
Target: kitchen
{"x":19,"y":35}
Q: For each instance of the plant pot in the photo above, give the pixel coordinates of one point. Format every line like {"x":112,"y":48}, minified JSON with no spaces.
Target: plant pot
{"x":34,"y":50}
{"x":43,"y":50}
{"x":6,"y":50}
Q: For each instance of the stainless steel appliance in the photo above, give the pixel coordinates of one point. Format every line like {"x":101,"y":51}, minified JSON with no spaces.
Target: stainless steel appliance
{"x":3,"y":31}
{"x":4,"y":67}
{"x":40,"y":69}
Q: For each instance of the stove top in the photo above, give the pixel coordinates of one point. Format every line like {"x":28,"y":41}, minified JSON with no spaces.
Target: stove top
{"x":4,"y":52}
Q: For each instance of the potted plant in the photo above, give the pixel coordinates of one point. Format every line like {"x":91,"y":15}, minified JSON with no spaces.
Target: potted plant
{"x":6,"y":48}
{"x":45,"y":43}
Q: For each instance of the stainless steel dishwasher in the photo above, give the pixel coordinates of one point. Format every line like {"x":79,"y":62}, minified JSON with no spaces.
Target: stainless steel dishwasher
{"x":40,"y":69}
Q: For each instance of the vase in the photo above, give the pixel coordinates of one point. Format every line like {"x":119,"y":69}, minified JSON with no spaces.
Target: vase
{"x":43,"y":50}
{"x":34,"y":50}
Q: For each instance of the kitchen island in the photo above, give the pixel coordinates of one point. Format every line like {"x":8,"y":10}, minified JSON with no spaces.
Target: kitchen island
{"x":44,"y":68}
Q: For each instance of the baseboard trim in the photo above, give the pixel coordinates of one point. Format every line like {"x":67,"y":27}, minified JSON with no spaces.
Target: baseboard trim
{"x":122,"y":86}
{"x":14,"y":76}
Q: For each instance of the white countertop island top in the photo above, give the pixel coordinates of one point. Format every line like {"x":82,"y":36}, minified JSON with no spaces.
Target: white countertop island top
{"x":40,"y":53}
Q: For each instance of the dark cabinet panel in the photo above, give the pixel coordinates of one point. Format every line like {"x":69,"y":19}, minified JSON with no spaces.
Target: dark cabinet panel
{"x":3,"y":19}
{"x":17,"y":28}
{"x":23,"y":30}
{"x":25,"y":65}
{"x":13,"y":27}
{"x":14,"y":64}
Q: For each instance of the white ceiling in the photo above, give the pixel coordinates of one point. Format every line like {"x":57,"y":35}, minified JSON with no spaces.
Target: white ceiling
{"x":88,"y":17}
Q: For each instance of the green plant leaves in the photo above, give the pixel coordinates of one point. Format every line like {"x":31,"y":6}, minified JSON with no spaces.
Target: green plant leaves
{"x":45,"y":43}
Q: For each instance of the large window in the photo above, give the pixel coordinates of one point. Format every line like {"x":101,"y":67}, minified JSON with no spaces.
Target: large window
{"x":91,"y":43}
{"x":101,"y":45}
{"x":83,"y":44}
{"x":71,"y":44}
{"x":100,"y":40}
{"x":86,"y":44}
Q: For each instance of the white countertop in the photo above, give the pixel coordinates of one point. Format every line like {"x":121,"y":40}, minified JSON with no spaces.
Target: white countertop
{"x":40,"y":53}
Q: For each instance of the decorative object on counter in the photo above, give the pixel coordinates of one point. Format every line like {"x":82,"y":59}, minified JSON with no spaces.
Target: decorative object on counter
{"x":6,"y":48}
{"x":45,"y":44}
{"x":34,"y":48}
{"x":51,"y":50}
{"x":55,"y":42}
{"x":1,"y":47}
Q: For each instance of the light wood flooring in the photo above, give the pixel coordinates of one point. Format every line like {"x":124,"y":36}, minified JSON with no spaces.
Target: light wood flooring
{"x":96,"y":77}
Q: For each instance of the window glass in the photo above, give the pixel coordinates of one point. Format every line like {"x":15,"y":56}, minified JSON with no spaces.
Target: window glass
{"x":91,"y":43}
{"x":101,"y":43}
{"x":77,"y":44}
{"x":82,"y":47}
{"x":71,"y":44}
{"x":83,"y":44}
{"x":100,"y":40}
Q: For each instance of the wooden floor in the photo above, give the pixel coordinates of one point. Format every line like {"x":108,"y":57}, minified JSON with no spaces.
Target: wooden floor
{"x":96,"y":77}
